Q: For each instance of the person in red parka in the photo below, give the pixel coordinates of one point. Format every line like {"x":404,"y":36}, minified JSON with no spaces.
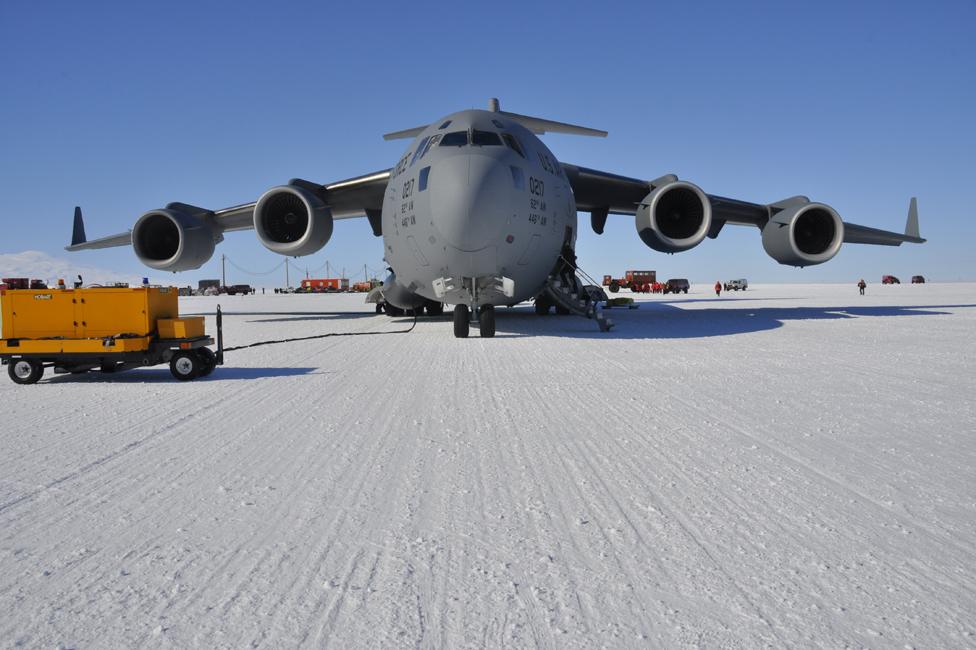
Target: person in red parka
{"x":718,"y":288}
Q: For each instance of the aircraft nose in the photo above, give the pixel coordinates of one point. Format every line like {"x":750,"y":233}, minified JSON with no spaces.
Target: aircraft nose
{"x":468,"y":200}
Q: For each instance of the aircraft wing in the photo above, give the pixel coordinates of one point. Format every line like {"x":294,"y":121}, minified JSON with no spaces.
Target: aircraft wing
{"x":602,"y":193}
{"x":361,"y":196}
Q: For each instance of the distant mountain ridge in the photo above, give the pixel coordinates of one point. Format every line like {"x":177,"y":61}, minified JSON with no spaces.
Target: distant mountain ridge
{"x":38,"y":265}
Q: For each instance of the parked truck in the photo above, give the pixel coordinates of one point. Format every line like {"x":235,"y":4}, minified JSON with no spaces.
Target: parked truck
{"x":636,"y":281}
{"x":325,"y":285}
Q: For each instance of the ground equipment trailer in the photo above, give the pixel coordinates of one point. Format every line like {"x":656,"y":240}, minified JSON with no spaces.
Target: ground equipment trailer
{"x":636,"y":281}
{"x":109,"y":329}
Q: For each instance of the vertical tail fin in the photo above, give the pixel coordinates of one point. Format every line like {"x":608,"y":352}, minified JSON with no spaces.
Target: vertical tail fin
{"x":78,"y":231}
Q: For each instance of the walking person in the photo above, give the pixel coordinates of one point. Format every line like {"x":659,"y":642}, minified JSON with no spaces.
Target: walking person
{"x":718,"y":288}
{"x":861,"y":284}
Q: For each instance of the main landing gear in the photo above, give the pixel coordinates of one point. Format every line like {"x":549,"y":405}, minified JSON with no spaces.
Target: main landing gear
{"x":462,"y":321}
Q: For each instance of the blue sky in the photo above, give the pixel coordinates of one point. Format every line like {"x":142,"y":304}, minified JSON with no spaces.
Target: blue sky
{"x":124,"y":107}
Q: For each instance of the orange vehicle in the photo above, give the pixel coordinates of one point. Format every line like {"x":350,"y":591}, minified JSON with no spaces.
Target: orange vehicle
{"x":636,"y":281}
{"x":325,"y":285}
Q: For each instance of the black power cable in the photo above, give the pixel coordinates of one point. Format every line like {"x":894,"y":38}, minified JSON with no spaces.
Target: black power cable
{"x":323,"y":336}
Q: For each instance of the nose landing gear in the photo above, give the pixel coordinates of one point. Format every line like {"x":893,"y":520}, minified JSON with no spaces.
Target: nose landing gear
{"x":462,"y":321}
{"x":486,"y":321}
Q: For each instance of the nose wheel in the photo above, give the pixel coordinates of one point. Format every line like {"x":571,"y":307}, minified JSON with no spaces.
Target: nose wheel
{"x":486,"y":321}
{"x":462,"y":324}
{"x":462,"y":321}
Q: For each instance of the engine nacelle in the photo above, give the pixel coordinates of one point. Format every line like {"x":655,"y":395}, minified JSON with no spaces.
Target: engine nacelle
{"x":172,"y":240}
{"x":400,"y":296}
{"x":803,"y":234}
{"x":290,"y":220}
{"x":674,"y":217}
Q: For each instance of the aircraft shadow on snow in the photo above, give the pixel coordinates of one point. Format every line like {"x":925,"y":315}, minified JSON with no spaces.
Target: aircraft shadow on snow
{"x":662,"y":320}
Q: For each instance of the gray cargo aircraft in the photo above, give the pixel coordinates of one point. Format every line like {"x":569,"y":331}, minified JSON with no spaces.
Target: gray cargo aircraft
{"x":478,"y":212}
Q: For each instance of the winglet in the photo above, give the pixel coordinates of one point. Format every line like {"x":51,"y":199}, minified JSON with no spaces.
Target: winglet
{"x":911,"y":226}
{"x":78,"y":231}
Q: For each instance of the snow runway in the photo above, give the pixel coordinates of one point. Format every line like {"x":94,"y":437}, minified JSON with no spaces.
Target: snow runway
{"x":791,"y":466}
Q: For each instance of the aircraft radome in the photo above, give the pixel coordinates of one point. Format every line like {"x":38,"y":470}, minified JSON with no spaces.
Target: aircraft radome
{"x":478,"y":213}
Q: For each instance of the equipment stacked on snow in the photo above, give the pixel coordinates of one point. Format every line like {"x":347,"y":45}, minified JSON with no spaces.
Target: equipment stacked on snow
{"x":113,"y":329}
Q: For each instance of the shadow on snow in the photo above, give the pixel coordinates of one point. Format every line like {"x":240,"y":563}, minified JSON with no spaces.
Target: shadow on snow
{"x":666,"y":321}
{"x":161,"y":374}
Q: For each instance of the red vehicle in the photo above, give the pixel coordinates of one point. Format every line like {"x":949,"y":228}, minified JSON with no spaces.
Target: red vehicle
{"x":889,"y":279}
{"x":636,"y":281}
{"x":325,"y":285}
{"x":23,"y":283}
{"x":16,"y":283}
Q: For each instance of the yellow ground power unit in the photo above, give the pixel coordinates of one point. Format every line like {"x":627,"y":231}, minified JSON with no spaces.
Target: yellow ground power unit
{"x":110,"y":328}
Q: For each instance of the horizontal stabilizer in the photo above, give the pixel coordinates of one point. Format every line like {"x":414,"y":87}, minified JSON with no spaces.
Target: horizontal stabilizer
{"x":404,"y":134}
{"x":539,"y":126}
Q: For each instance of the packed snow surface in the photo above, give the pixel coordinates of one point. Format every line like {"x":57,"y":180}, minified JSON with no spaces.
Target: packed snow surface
{"x":790,"y":466}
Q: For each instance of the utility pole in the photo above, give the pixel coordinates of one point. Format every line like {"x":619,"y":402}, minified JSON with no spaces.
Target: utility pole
{"x":223,"y":270}
{"x":328,"y":273}
{"x":287,"y":281}
{"x":365,"y":274}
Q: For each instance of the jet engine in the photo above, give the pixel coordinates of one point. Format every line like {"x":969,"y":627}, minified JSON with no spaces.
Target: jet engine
{"x":674,"y":217}
{"x":803,"y":234}
{"x":291,"y":220}
{"x":172,"y":240}
{"x":400,"y":296}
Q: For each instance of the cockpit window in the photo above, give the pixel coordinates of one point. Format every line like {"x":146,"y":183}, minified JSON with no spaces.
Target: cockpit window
{"x":498,"y":124}
{"x":431,"y":143}
{"x":420,"y":150}
{"x":455,"y":139}
{"x":513,"y":142}
{"x":485,"y":139}
{"x":444,"y":125}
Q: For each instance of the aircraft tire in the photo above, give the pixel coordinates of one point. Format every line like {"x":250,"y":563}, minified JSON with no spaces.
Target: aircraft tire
{"x":486,"y":321}
{"x":434,"y":308}
{"x":462,"y":324}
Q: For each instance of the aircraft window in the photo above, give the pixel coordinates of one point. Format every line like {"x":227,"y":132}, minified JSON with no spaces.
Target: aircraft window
{"x":422,"y":182}
{"x":512,"y":142}
{"x":518,"y":177}
{"x":420,"y":149}
{"x":431,"y":143}
{"x":485,"y":139}
{"x":455,"y":139}
{"x":444,"y":125}
{"x":498,"y":124}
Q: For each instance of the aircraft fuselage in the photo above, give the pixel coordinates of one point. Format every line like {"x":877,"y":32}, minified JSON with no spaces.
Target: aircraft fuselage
{"x":476,"y":198}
